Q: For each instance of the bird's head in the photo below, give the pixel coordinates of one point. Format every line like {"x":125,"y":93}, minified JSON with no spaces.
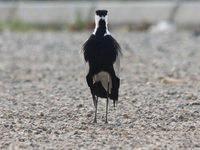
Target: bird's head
{"x":101,"y":21}
{"x":101,"y":13}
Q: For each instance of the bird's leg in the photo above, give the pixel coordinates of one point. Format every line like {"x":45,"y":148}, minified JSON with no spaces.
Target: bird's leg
{"x":107,"y":104}
{"x":94,"y":100}
{"x":95,"y":104}
{"x":95,"y":115}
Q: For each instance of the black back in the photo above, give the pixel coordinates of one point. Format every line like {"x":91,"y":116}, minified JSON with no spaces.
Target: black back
{"x":101,"y":53}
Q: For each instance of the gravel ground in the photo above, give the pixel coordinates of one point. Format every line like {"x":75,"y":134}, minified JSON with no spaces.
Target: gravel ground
{"x":45,"y":102}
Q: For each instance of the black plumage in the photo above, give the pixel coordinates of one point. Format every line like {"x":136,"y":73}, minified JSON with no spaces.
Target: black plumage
{"x":101,"y":53}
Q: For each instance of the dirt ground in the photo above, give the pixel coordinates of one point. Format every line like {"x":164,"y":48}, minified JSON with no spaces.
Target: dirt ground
{"x":45,"y":102}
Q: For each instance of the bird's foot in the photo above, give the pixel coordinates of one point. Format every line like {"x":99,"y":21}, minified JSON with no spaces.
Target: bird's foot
{"x":95,"y":121}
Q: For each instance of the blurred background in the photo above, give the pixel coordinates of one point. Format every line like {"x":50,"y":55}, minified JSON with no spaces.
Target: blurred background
{"x":124,"y":15}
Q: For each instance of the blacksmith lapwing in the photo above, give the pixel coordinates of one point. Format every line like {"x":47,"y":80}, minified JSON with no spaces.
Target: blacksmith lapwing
{"x":102,"y":57}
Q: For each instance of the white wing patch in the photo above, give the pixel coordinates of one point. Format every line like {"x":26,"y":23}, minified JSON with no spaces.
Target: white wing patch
{"x":82,"y":56}
{"x":116,"y":66}
{"x":104,"y":77}
{"x":86,"y":68}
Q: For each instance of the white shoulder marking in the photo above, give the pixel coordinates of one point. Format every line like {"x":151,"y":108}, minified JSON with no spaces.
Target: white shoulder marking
{"x":107,"y":33}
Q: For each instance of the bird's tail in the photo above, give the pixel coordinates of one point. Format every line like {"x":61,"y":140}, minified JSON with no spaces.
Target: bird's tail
{"x":100,"y":91}
{"x":99,"y":88}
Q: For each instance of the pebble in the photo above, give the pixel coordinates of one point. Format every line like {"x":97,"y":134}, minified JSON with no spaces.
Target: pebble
{"x":46,"y":103}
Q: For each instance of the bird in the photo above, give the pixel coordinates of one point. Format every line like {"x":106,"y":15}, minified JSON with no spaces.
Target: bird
{"x":102,"y":54}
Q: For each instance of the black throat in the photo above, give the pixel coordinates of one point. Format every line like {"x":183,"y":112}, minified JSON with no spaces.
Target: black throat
{"x":101,"y":30}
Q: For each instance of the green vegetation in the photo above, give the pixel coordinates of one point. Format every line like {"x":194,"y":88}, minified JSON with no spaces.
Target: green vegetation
{"x":80,"y":24}
{"x":25,"y":27}
{"x":18,"y":26}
